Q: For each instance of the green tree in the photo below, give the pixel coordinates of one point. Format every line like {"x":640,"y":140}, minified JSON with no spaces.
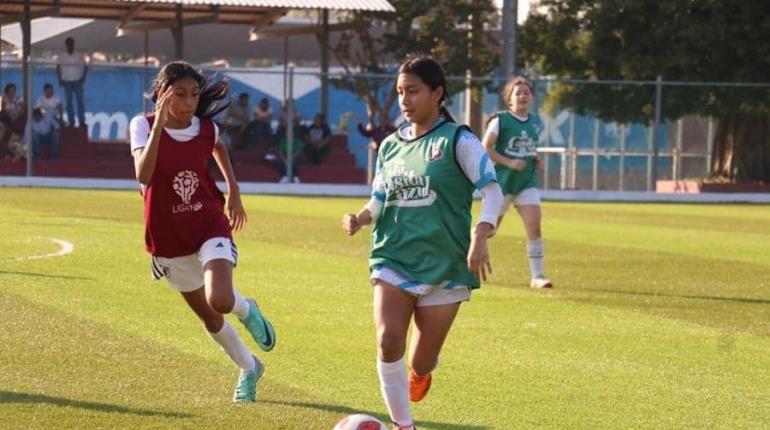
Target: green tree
{"x":376,"y":42}
{"x":681,"y":40}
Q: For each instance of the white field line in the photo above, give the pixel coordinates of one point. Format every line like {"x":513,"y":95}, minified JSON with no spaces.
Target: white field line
{"x":65,"y":248}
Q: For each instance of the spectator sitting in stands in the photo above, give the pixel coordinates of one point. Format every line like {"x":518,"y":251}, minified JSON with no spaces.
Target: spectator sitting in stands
{"x":317,"y":139}
{"x":45,"y":131}
{"x":12,"y":122}
{"x":51,"y":104}
{"x":13,"y":110}
{"x":263,"y":118}
{"x":237,"y":122}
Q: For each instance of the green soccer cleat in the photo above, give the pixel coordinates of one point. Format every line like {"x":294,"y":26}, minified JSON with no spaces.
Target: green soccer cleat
{"x":259,"y":327}
{"x":246,"y":390}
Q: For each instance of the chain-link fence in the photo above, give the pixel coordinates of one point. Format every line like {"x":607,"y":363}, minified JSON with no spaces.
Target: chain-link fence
{"x":581,"y":148}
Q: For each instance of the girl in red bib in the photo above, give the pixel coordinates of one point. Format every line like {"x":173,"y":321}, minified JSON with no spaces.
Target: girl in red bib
{"x":188,"y":221}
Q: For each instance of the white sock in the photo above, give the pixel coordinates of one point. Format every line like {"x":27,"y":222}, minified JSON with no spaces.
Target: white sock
{"x":395,"y":390}
{"x":240,"y":308}
{"x":536,"y":252}
{"x":233,"y":346}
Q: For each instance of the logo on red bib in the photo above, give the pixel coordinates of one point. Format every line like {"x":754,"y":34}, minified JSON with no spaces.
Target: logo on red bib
{"x":185,"y":184}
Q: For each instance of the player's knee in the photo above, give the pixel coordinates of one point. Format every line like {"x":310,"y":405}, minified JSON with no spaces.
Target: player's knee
{"x":534,"y":231}
{"x":222,"y":303}
{"x":390,"y":345}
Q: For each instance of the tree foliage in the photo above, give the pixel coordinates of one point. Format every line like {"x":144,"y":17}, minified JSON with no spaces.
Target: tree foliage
{"x":378,"y":41}
{"x":680,"y":40}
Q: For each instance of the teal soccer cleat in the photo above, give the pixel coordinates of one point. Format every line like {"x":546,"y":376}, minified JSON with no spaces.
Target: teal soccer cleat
{"x":246,"y":390}
{"x":259,"y":327}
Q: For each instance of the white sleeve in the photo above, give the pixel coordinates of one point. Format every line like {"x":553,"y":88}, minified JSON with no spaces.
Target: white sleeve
{"x":139,"y":132}
{"x":377,"y":200}
{"x":475,"y":163}
{"x":493,"y":128}
{"x":491,"y":202}
{"x":474,"y":160}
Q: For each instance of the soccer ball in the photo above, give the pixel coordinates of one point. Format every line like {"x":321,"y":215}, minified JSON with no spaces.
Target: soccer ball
{"x":360,"y":422}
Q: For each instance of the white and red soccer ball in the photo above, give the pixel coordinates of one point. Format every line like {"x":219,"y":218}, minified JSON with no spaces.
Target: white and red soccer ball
{"x":360,"y":422}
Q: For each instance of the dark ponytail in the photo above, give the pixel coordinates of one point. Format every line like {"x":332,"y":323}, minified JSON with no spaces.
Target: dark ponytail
{"x":214,"y":95}
{"x":432,"y":74}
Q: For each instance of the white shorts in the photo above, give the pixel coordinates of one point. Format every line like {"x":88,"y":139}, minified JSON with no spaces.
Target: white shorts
{"x":528,"y":197}
{"x":185,"y":274}
{"x":427,"y":295}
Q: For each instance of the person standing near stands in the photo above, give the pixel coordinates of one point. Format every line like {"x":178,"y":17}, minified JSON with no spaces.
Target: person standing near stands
{"x":72,"y":68}
{"x":377,"y":133}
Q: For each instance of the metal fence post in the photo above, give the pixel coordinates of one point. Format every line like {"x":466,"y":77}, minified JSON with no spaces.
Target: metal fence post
{"x":26,"y":34}
{"x":676,"y":162}
{"x":567,"y":158}
{"x":595,"y":166}
{"x":658,"y":97}
{"x":651,"y":131}
{"x":290,"y":126}
{"x":622,"y":163}
{"x":709,"y":144}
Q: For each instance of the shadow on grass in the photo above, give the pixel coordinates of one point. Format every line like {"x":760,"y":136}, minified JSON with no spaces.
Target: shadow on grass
{"x":12,"y":397}
{"x":345,"y":410}
{"x":680,"y":296}
{"x":42,"y":275}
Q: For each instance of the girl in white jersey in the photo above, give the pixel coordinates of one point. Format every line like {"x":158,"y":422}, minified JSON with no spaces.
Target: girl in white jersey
{"x":424,"y":261}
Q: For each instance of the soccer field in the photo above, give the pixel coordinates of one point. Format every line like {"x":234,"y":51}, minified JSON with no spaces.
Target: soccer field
{"x":660,"y":319}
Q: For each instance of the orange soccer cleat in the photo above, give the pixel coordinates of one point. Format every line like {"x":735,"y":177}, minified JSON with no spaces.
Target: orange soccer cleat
{"x":418,"y":386}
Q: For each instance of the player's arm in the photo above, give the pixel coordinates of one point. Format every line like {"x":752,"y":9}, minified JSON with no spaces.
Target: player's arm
{"x":479,"y":170}
{"x":490,"y":138}
{"x":146,"y":157}
{"x":233,"y":205}
{"x":351,"y":223}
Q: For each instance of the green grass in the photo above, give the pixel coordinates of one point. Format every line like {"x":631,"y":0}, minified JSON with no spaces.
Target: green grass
{"x":660,"y":319}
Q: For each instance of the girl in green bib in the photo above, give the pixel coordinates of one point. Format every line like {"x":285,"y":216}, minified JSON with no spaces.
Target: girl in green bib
{"x":511,"y":141}
{"x":425,"y":260}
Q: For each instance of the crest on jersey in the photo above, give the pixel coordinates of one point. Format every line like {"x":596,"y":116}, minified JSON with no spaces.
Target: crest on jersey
{"x":185,"y":183}
{"x":520,"y":146}
{"x":435,"y":150}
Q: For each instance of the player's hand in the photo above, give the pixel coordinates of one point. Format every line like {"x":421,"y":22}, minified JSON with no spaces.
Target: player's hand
{"x":350,"y":224}
{"x":235,"y":211}
{"x":517,"y":164}
{"x":478,"y":258}
{"x":162,"y":103}
{"x":539,"y":163}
